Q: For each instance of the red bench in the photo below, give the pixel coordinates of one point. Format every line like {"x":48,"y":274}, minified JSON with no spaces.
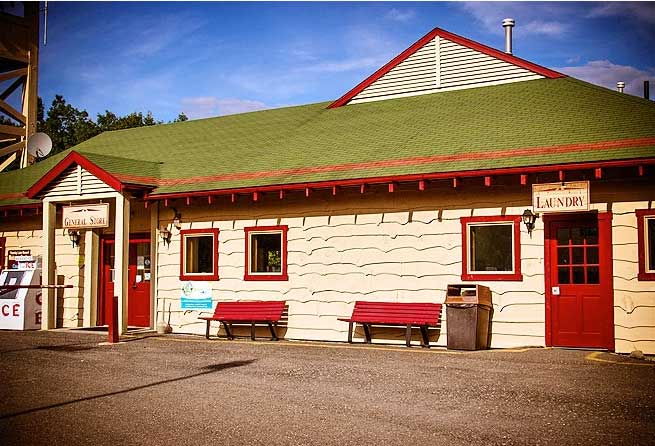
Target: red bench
{"x":252,"y":312}
{"x":422,"y":315}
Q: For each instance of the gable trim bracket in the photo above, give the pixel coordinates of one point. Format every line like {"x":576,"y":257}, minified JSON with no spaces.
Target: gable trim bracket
{"x":548,"y":73}
{"x":74,"y":158}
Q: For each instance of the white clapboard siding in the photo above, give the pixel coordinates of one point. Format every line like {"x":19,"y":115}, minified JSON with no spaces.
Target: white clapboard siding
{"x":441,"y":65}
{"x":416,"y":73}
{"x":75,"y":181}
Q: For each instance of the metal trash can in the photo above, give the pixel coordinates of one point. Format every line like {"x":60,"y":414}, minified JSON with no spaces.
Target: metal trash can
{"x":468,"y":315}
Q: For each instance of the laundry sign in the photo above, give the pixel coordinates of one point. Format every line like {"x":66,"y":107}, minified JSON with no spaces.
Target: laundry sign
{"x":560,"y":197}
{"x":86,"y":216}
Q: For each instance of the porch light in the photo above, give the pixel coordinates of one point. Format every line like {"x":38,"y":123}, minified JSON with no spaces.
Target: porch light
{"x":74,"y":236}
{"x":528,"y":220}
{"x":177,"y":220}
{"x":165,"y":235}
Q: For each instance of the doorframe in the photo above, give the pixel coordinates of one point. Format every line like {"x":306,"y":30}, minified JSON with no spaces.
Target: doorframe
{"x":606,"y":270}
{"x":139,"y":237}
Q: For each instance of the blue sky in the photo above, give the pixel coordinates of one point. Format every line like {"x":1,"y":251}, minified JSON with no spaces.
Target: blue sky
{"x":208,"y":59}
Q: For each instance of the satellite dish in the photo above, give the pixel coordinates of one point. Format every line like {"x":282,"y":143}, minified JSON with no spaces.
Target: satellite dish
{"x":39,"y":145}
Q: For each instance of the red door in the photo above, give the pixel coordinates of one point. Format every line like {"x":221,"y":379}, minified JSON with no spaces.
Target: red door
{"x":579,"y":292}
{"x":138,"y":282}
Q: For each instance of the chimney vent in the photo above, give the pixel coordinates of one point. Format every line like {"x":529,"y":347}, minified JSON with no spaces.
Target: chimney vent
{"x":508,"y":24}
{"x":620,"y":86}
{"x":646,"y":90}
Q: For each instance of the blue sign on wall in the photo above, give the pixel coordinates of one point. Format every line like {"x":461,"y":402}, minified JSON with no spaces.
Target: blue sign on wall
{"x":196,"y":296}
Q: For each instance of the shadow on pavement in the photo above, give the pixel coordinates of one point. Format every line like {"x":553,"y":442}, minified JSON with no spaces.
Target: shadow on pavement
{"x":212,"y":368}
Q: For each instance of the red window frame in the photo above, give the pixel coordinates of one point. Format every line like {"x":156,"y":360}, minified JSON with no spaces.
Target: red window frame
{"x":642,"y":244}
{"x":496,"y":275}
{"x":196,"y":276}
{"x":282,"y":276}
{"x":3,"y":241}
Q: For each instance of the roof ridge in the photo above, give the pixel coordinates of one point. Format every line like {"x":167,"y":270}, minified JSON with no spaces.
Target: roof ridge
{"x":607,"y":90}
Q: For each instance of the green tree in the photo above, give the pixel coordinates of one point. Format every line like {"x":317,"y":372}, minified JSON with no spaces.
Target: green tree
{"x":181,"y":118}
{"x":67,"y":126}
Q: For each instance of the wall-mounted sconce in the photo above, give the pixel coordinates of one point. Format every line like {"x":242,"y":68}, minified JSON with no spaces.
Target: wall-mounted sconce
{"x":177,"y":220}
{"x":74,"y":236}
{"x":165,"y":235}
{"x":528,"y":220}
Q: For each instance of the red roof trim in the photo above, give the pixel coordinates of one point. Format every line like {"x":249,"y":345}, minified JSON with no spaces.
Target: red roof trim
{"x":408,"y":178}
{"x":74,"y":158}
{"x":455,"y":38}
{"x":412,"y":161}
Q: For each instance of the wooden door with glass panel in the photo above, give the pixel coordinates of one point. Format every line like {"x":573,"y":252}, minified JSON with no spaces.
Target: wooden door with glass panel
{"x":579,"y":298}
{"x":138,"y":282}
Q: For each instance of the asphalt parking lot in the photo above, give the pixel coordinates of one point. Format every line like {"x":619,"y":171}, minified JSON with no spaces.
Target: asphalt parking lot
{"x":65,"y":388}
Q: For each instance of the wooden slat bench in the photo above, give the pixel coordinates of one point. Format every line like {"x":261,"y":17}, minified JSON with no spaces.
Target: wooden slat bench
{"x":422,"y":315}
{"x":248,"y":312}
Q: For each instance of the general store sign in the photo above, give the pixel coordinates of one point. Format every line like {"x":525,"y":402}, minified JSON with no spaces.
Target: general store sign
{"x":86,"y":216}
{"x":560,"y":197}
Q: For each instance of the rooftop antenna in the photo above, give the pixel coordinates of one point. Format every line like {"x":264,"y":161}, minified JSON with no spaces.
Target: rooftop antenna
{"x":45,"y":24}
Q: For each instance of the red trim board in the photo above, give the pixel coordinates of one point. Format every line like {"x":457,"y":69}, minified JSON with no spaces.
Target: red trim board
{"x":411,"y":161}
{"x":403,"y":178}
{"x":71,"y":159}
{"x":452,"y":37}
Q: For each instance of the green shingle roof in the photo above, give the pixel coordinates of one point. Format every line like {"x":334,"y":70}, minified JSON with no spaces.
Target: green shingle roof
{"x":441,"y":132}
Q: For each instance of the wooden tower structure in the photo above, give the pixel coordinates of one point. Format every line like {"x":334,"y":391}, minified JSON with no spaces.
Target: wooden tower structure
{"x":19,"y":60}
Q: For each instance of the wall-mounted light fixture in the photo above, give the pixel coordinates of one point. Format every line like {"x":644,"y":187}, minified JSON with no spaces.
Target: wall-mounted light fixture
{"x":529,"y":219}
{"x":74,"y":236}
{"x":165,"y":235}
{"x":177,"y":220}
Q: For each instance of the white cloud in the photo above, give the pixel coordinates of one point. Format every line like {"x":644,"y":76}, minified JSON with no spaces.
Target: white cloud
{"x":156,"y":34}
{"x":531,"y":18}
{"x":398,"y":15}
{"x":607,"y":74}
{"x":641,"y":11}
{"x":342,"y":66}
{"x":207,"y":106}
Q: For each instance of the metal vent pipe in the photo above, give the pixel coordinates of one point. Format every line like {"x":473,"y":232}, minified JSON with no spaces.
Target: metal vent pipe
{"x":620,"y":86}
{"x":646,"y":90}
{"x":508,"y":24}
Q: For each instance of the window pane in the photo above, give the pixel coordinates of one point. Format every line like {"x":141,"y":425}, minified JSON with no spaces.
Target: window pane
{"x":591,"y":236}
{"x":592,"y":275}
{"x":577,"y":237}
{"x":199,"y":254}
{"x":563,"y":275}
{"x":562,"y":236}
{"x":563,"y":256}
{"x":592,"y":256}
{"x":578,"y":274}
{"x":266,"y":253}
{"x":491,"y":247}
{"x":650,"y":234}
{"x":578,"y":256}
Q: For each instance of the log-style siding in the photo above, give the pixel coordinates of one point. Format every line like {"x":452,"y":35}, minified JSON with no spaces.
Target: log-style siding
{"x":403,"y":247}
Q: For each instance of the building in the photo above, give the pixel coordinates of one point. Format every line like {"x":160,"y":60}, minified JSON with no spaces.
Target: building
{"x":415,"y":179}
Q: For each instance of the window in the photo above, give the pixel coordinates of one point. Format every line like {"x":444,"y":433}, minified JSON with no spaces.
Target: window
{"x":199,"y":254}
{"x":266,"y":253}
{"x":491,"y":248}
{"x":646,"y":241}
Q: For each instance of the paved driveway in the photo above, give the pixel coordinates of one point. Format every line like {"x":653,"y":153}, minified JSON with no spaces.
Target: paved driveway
{"x":62,"y":387}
